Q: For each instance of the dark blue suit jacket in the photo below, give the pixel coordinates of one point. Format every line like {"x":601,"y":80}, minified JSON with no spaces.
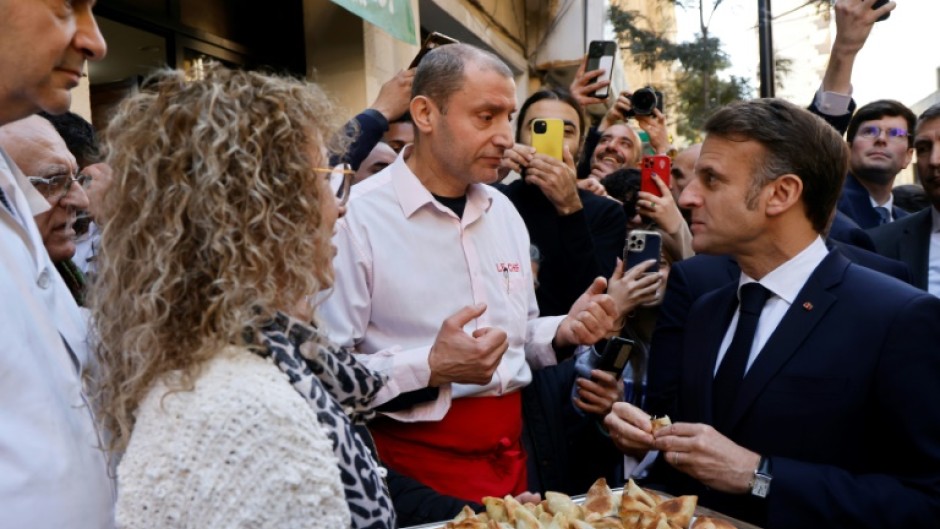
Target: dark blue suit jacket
{"x":833,"y":399}
{"x":691,"y":279}
{"x":907,"y":240}
{"x":855,"y":203}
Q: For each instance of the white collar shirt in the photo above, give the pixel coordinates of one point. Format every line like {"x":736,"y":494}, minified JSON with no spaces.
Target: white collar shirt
{"x":888,"y":205}
{"x":405,"y":263}
{"x":933,"y":256}
{"x":784,"y":283}
{"x":52,"y":470}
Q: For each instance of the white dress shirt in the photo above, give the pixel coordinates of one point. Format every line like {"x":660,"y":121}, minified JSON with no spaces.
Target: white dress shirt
{"x":405,"y":263}
{"x":833,"y":103}
{"x":933,"y":256}
{"x":784,"y":283}
{"x":888,"y":205}
{"x":52,"y":471}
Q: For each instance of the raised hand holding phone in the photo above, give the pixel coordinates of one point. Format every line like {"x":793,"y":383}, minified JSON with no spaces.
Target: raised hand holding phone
{"x":642,"y":246}
{"x":661,"y":166}
{"x":548,"y":137}
{"x":660,"y":207}
{"x":601,"y":55}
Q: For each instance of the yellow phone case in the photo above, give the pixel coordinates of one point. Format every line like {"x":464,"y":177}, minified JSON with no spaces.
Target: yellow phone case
{"x":548,"y":137}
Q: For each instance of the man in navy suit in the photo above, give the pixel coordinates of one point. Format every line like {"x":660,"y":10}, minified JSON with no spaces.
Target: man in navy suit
{"x":810,"y":405}
{"x":880,"y":144}
{"x":915,"y":239}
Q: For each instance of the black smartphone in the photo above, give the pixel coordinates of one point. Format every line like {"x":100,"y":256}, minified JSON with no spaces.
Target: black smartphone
{"x":616,"y":355}
{"x":878,"y":4}
{"x":601,"y":54}
{"x":642,"y":245}
{"x":433,"y":40}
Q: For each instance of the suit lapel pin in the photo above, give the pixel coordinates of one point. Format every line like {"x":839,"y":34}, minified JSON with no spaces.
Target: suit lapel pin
{"x":807,"y":306}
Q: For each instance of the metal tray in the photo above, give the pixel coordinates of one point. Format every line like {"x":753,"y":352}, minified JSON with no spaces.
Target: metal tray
{"x":579,"y":499}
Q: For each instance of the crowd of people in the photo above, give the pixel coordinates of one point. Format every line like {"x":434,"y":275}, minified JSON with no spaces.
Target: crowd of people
{"x":238,"y":312}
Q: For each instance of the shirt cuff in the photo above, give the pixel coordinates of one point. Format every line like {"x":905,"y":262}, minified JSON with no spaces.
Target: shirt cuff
{"x":406,"y":370}
{"x":538,"y":349}
{"x":638,"y":468}
{"x":833,"y":103}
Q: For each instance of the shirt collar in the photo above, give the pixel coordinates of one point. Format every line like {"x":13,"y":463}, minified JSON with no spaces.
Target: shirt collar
{"x":37,"y":203}
{"x":412,"y":195}
{"x":935,"y":215}
{"x":889,"y":204}
{"x":788,"y":279}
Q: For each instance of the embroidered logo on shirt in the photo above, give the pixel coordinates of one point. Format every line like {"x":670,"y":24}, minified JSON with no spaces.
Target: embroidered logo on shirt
{"x":506,"y":269}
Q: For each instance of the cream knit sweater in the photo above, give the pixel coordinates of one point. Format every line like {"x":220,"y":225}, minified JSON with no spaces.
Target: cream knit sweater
{"x":243,"y":449}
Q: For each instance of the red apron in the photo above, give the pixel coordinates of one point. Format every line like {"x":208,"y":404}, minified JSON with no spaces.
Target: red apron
{"x":474,"y":451}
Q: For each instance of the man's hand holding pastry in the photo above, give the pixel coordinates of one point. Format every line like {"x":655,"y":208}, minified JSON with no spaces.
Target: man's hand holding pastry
{"x":708,"y":456}
{"x":631,"y":429}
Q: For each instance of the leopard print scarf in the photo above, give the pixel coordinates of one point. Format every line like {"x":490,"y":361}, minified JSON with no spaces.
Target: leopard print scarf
{"x":340,"y":391}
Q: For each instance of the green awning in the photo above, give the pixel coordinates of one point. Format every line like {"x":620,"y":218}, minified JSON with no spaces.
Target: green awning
{"x":394,"y":16}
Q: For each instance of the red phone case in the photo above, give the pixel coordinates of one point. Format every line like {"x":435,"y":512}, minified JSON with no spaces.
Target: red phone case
{"x":659,"y":164}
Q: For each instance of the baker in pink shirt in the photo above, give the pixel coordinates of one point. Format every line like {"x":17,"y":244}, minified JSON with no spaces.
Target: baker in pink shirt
{"x":434,"y":287}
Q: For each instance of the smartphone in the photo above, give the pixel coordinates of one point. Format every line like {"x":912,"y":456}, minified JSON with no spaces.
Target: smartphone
{"x":661,"y":166}
{"x":616,"y":356}
{"x":432,"y":41}
{"x":548,"y":137}
{"x":601,"y":54}
{"x":642,"y":245}
{"x":878,"y":4}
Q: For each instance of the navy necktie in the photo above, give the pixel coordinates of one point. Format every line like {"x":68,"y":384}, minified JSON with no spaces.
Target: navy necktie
{"x":731,"y":371}
{"x":883,"y":216}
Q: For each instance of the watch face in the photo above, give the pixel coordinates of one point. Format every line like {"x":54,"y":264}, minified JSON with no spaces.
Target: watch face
{"x":761,"y":486}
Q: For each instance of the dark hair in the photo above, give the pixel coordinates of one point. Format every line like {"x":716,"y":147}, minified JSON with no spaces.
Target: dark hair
{"x":910,"y":197}
{"x":79,"y":136}
{"x":554,"y":94}
{"x":794,"y":142}
{"x":441,"y":71}
{"x":404,"y":118}
{"x":877,"y":110}
{"x":624,"y":185}
{"x":933,"y":112}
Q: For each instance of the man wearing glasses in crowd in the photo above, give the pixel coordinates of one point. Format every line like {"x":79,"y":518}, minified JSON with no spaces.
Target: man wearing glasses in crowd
{"x":38,"y":150}
{"x":880,"y":146}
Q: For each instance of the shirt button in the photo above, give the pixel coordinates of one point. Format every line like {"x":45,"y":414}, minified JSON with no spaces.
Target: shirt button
{"x":44,"y":280}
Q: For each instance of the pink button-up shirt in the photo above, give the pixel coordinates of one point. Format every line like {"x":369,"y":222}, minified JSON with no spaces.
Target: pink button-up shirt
{"x":405,"y":263}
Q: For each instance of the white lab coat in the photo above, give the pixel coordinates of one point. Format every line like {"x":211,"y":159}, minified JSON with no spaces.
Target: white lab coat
{"x":52,"y":470}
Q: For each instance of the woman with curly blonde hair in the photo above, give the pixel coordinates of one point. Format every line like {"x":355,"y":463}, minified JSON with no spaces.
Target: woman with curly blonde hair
{"x":224,"y":402}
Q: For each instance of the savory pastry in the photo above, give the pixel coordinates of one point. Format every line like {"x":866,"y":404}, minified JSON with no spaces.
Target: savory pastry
{"x":600,"y":499}
{"x":707,"y":522}
{"x":660,"y":422}
{"x":678,"y":510}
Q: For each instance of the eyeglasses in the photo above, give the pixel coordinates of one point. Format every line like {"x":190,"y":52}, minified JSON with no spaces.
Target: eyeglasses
{"x":56,"y":187}
{"x":870,"y":132}
{"x":340,"y":180}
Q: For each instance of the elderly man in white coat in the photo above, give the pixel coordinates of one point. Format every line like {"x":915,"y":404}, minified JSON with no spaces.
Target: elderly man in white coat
{"x":52,"y":471}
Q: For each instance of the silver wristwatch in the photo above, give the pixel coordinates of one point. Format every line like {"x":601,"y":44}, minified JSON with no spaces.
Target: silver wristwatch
{"x":760,"y":483}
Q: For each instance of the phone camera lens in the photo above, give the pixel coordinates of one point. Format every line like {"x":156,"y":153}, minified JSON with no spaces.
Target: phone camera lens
{"x":539,"y":126}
